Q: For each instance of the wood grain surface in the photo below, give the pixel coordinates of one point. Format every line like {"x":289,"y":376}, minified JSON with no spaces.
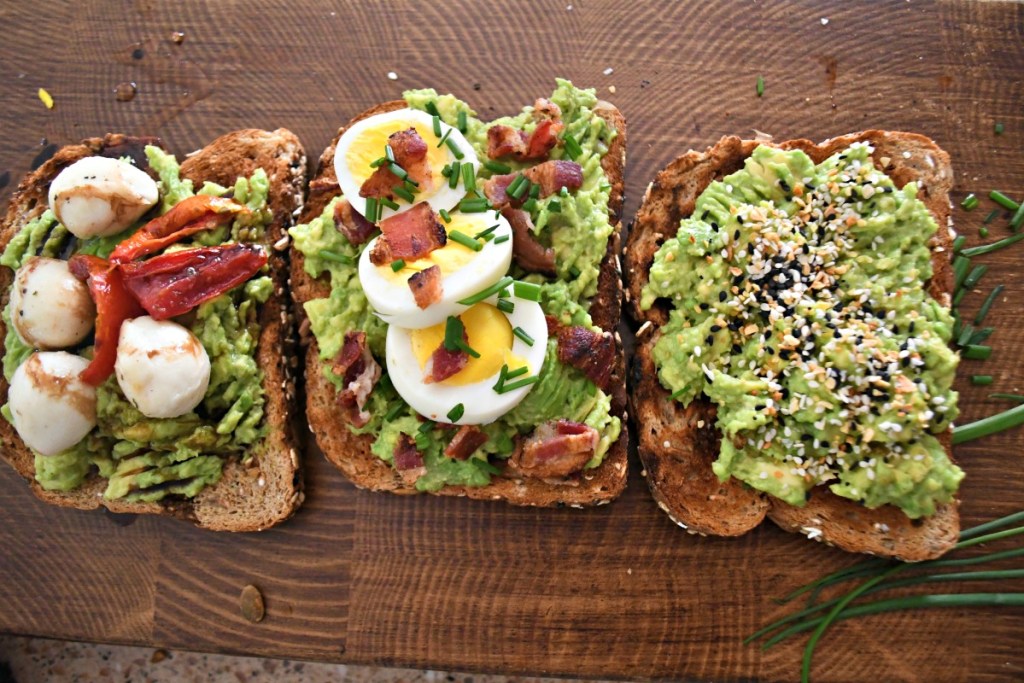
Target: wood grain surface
{"x":612,"y":592}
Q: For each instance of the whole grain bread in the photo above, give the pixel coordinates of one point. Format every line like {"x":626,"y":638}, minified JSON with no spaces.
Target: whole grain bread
{"x":677,"y":445}
{"x":351,"y":453}
{"x":268,"y":488}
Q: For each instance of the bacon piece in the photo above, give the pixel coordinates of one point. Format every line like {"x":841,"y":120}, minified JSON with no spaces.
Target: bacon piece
{"x":465,"y":442}
{"x":381,"y":254}
{"x":496,"y":189}
{"x":426,"y":286}
{"x":445,"y":363}
{"x":556,"y":449}
{"x":506,"y":141}
{"x":359,"y":372}
{"x":543,"y":139}
{"x":544,"y":108}
{"x":408,"y":460}
{"x":412,"y":234}
{"x":552,"y":176}
{"x":351,"y":223}
{"x":410,"y":152}
{"x":527,"y":251}
{"x":590,"y":352}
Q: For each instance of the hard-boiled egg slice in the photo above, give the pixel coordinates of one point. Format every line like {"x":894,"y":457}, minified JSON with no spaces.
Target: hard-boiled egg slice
{"x":161,"y":367}
{"x":52,"y":408}
{"x":491,"y":334}
{"x":364,"y":142}
{"x":50,"y":307}
{"x":464,"y":271}
{"x":97,"y":196}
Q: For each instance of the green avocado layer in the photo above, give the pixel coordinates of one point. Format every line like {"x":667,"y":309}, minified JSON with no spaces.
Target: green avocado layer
{"x":579,"y":235}
{"x":146,"y":459}
{"x":799,"y":310}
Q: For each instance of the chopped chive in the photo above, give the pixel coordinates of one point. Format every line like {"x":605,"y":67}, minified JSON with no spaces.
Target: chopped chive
{"x":456,"y":413}
{"x":759,"y":88}
{"x":989,"y":425}
{"x":397,"y":265}
{"x":981,"y":335}
{"x":328,"y":255}
{"x":463,"y":123}
{"x":999,"y":129}
{"x":411,"y":185}
{"x":958,"y":243}
{"x":394,"y":412}
{"x":453,"y":331}
{"x":489,"y":291}
{"x":983,"y":232}
{"x":371,"y":209}
{"x":676,"y":394}
{"x":388,"y":203}
{"x":484,"y":234}
{"x":574,"y":271}
{"x":961,"y":266}
{"x":970,"y":202}
{"x":445,"y":216}
{"x":1018,"y":218}
{"x":1003,"y":201}
{"x":564,"y":191}
{"x":468,"y":349}
{"x":377,"y":163}
{"x":426,"y":427}
{"x":437,"y":125}
{"x":555,"y":206}
{"x":469,"y":177}
{"x":474,"y":205}
{"x":974,"y":276}
{"x":454,"y":149}
{"x":501,"y":378}
{"x":403,"y":193}
{"x":534,"y":190}
{"x":431,"y":108}
{"x":526,"y":290}
{"x":446,"y":171}
{"x":989,"y":300}
{"x":966,"y":332}
{"x":572,"y":147}
{"x":959,"y":296}
{"x":604,"y":187}
{"x":389,"y":153}
{"x":444,"y":138}
{"x":497,"y":167}
{"x":505,"y":293}
{"x":993,"y":246}
{"x":530,"y":204}
{"x":518,"y":372}
{"x":991,"y":216}
{"x":981,"y":380}
{"x":501,"y":239}
{"x":976,"y":352}
{"x":398,"y":171}
{"x":453,"y":179}
{"x":525,"y":382}
{"x":522,"y":334}
{"x":1008,"y":397}
{"x":506,"y":306}
{"x":517,"y":187}
{"x":465,"y":240}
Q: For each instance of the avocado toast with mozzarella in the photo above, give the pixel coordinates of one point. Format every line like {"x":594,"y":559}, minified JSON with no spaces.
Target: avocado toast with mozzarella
{"x":180,"y":380}
{"x":793,"y":354}
{"x":461,"y":341}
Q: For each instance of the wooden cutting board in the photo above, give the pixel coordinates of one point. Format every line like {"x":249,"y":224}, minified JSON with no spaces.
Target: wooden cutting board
{"x":617,"y":591}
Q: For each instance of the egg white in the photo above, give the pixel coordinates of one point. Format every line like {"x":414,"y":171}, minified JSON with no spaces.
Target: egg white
{"x":482,"y":403}
{"x":394,"y":302}
{"x":442,"y":197}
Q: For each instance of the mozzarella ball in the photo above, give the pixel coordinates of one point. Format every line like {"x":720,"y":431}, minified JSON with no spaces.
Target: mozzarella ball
{"x":161,"y":367}
{"x":97,"y":196}
{"x":52,"y":408}
{"x":50,"y":308}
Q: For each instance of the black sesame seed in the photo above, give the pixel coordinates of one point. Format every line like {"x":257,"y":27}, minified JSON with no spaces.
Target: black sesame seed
{"x":715,"y":328}
{"x":722,"y":296}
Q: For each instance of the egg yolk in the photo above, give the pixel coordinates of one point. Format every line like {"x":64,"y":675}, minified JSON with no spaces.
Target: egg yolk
{"x":490,"y":335}
{"x":369,"y":147}
{"x":450,"y":258}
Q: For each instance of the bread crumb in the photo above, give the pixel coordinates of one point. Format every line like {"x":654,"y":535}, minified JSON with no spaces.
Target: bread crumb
{"x":608,"y":71}
{"x":611,"y":89}
{"x":392,"y":76}
{"x":630,"y":571}
{"x":667,"y":444}
{"x":824,"y":21}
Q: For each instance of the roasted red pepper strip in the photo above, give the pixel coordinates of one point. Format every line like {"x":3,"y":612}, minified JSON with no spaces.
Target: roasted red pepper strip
{"x":188,"y":217}
{"x":114,"y":305}
{"x":175,"y":283}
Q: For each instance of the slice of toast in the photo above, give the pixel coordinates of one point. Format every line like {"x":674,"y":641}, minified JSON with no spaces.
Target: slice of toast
{"x":351,"y":453}
{"x":268,"y":489}
{"x":677,"y":445}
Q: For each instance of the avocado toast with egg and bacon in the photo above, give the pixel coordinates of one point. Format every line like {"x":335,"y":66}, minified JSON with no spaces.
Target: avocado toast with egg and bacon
{"x":793,"y":354}
{"x":182,"y":390}
{"x":462,"y":340}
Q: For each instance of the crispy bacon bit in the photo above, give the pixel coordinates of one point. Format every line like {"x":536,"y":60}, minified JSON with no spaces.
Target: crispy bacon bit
{"x":465,"y":442}
{"x":552,"y":176}
{"x":556,"y":449}
{"x":410,"y":152}
{"x":590,"y":352}
{"x":351,"y":223}
{"x":408,"y":460}
{"x":527,"y":251}
{"x":543,"y":139}
{"x":381,"y":254}
{"x":445,"y":363}
{"x":426,"y":286}
{"x":410,"y":235}
{"x":544,"y":108}
{"x":505,"y":141}
{"x":496,"y":188}
{"x":359,"y":372}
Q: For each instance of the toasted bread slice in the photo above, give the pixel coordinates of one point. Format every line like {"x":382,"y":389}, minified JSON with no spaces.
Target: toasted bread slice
{"x":268,"y":489}
{"x":677,"y":445}
{"x":351,"y":453}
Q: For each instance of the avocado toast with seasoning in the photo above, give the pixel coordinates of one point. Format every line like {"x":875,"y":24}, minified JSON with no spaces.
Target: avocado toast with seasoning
{"x":459,"y":291}
{"x":170,"y":393}
{"x":793,"y":354}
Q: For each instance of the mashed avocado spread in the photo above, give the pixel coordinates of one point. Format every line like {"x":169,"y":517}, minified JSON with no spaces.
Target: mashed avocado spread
{"x":143,"y":458}
{"x":578,"y":231}
{"x":800,"y":311}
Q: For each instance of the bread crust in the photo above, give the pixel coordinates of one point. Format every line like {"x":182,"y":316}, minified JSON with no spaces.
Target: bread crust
{"x":677,"y":448}
{"x":351,"y":453}
{"x":268,"y":489}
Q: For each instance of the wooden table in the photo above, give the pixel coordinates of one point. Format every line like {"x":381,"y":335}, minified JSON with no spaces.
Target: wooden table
{"x":617,"y":591}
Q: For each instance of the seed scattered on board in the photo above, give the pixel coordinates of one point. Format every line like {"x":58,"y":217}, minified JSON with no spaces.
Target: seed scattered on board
{"x":252,"y":604}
